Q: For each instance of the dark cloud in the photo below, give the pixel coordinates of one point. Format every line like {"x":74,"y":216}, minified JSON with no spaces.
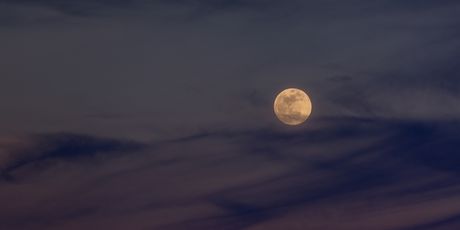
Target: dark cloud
{"x":85,"y":8}
{"x":43,"y":148}
{"x":253,"y":178}
{"x":447,"y":223}
{"x":386,"y":163}
{"x":73,"y":7}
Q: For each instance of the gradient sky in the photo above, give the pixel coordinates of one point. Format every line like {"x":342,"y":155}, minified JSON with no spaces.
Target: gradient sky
{"x":158,"y":114}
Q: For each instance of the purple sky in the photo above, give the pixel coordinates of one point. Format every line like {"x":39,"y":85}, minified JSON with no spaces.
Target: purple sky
{"x":158,"y":114}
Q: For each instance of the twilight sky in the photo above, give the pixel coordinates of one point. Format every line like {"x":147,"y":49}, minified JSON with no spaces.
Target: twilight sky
{"x":158,"y":114}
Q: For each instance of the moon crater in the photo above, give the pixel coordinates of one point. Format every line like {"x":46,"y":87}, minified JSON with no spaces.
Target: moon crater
{"x":292,"y":106}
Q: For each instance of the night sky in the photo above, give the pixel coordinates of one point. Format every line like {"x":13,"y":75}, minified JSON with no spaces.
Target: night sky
{"x":146,"y":115}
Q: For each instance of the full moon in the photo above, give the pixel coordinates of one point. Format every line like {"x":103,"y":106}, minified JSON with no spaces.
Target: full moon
{"x":292,"y":106}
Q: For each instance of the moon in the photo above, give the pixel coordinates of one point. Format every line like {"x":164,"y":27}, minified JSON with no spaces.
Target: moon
{"x":292,"y":106}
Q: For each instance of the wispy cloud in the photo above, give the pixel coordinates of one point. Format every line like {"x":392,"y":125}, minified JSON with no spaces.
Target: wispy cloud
{"x":35,"y":150}
{"x":336,"y":174}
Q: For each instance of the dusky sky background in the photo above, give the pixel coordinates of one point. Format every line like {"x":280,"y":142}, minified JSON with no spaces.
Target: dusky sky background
{"x":158,"y":114}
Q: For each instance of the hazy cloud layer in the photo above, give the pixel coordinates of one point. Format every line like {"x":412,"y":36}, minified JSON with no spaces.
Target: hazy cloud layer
{"x":336,"y":174}
{"x":172,"y":68}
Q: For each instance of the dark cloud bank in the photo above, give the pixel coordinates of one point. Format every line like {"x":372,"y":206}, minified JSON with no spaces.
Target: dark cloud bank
{"x":337,"y":174}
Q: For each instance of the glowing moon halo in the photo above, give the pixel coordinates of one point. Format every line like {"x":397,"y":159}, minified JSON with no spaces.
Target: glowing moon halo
{"x":292,"y":106}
